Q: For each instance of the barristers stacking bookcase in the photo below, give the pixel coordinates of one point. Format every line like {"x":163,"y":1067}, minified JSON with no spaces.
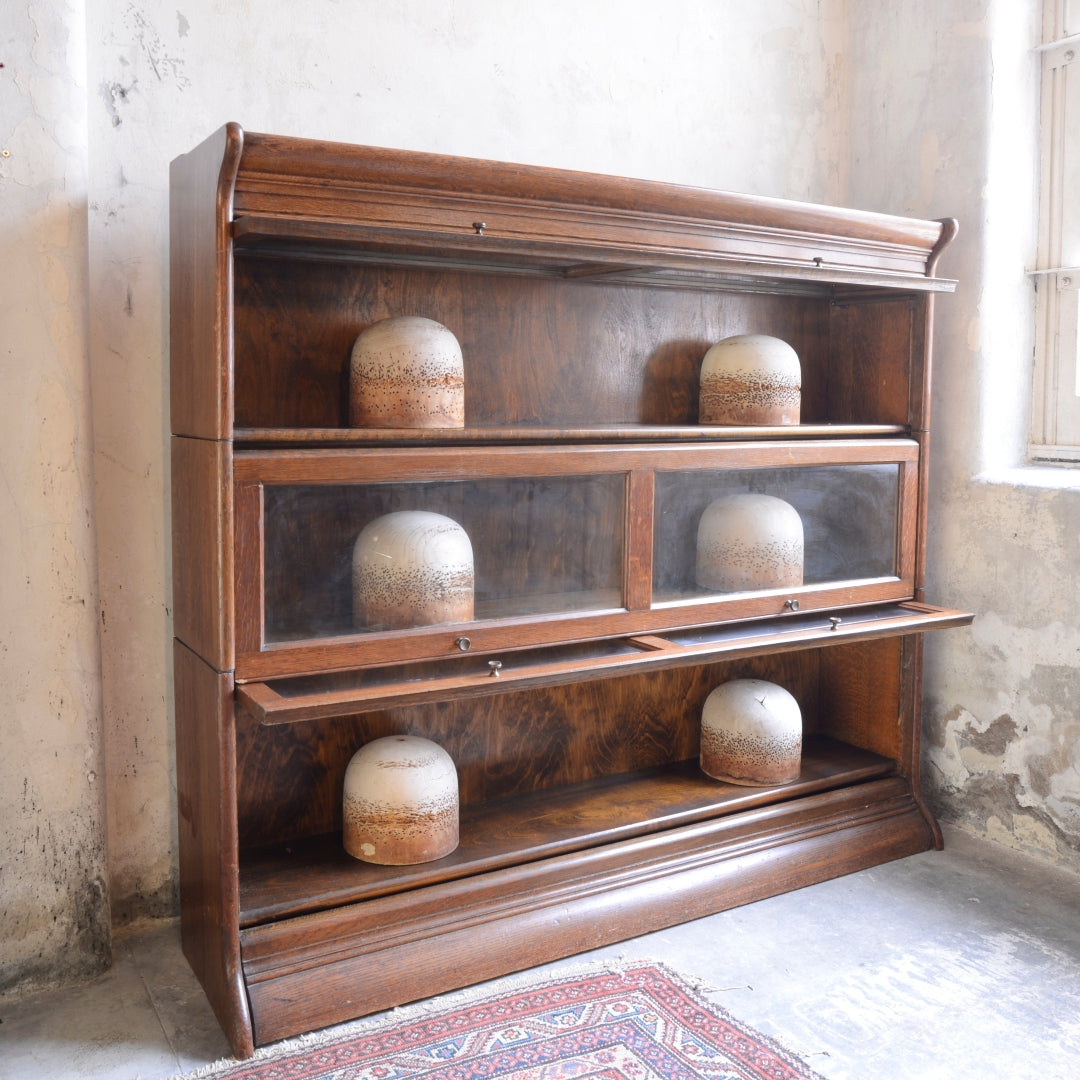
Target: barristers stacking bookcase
{"x":571,"y":701}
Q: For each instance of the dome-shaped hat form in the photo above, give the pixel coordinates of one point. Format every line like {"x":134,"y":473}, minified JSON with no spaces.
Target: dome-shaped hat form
{"x":406,"y":372}
{"x":751,"y":734}
{"x":400,"y":803}
{"x":412,"y":568}
{"x":750,"y":379}
{"x":748,"y":542}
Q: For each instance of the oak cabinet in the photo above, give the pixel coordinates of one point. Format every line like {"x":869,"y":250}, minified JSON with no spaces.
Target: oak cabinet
{"x":570,"y":701}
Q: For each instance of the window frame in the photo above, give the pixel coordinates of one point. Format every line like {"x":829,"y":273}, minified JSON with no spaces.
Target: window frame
{"x":1055,"y":429}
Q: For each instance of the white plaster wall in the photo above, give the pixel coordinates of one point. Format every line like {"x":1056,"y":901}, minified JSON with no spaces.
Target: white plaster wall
{"x":53,"y":902}
{"x":948,"y":94}
{"x":722,"y":94}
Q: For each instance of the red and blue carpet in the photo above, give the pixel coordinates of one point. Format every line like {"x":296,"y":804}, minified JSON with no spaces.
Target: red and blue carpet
{"x":642,"y":1023}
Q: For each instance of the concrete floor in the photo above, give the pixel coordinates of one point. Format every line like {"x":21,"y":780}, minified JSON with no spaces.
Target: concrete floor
{"x":944,"y":966}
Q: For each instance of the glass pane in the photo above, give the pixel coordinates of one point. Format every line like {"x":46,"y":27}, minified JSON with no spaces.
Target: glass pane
{"x":1070,"y":23}
{"x":751,"y":530}
{"x":347,"y":559}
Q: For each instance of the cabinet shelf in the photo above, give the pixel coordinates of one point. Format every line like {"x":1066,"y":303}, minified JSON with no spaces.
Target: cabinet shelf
{"x":299,"y":438}
{"x":315,"y":873}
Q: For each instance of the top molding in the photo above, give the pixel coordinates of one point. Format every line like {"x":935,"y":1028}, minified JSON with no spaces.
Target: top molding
{"x":358,"y":201}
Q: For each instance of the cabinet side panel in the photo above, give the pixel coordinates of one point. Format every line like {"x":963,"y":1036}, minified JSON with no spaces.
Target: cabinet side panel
{"x":912,"y":667}
{"x":910,"y":648}
{"x":922,"y":317}
{"x":202,"y":551}
{"x":865,"y":697}
{"x":920,"y":412}
{"x":871,"y":367}
{"x":200,"y":360}
{"x":205,"y":784}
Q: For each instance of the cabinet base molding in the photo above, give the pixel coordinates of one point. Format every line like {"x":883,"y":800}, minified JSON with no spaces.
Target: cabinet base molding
{"x":331,"y":966}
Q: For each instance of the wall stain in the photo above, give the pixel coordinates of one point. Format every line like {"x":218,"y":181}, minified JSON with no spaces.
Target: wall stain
{"x":987,"y":796}
{"x":114,"y":95}
{"x":72,"y":900}
{"x":1056,"y":685}
{"x":995,"y":740}
{"x":139,"y":903}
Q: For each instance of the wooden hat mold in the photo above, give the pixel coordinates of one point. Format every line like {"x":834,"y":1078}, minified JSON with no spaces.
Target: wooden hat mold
{"x":400,"y":804}
{"x":412,"y":568}
{"x":751,"y":734}
{"x":747,"y":542}
{"x":750,"y":379}
{"x":406,"y":372}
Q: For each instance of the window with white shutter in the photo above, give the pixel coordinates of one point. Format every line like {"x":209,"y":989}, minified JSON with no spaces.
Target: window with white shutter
{"x":1056,"y":399}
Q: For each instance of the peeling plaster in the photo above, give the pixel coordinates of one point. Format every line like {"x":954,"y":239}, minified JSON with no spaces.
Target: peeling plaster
{"x":1007,"y":765}
{"x":115,"y":95}
{"x":163,"y":63}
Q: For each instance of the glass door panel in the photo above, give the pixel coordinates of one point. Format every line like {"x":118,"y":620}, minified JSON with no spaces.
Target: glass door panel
{"x":722,"y":532}
{"x":347,"y":559}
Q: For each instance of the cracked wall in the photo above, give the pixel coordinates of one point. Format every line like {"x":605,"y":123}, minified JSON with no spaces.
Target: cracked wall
{"x":954,"y":116}
{"x":1003,"y":703}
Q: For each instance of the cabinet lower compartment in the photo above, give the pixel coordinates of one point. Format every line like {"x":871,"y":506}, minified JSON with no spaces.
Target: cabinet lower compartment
{"x":585,"y":820}
{"x":321,"y":968}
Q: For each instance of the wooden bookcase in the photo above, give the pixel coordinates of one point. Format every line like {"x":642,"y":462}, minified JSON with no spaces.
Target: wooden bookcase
{"x":583,"y":305}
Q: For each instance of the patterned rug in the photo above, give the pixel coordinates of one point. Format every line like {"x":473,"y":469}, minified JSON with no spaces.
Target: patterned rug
{"x":641,"y":1023}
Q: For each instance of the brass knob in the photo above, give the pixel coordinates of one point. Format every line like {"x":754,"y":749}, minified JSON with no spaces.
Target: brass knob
{"x":494,"y":665}
{"x":463,"y":643}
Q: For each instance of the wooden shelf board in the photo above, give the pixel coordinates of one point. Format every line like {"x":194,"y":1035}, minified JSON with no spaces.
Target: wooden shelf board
{"x":315,"y":874}
{"x":292,"y":438}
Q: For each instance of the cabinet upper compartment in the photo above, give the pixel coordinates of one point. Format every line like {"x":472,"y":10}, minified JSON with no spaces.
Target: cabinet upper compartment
{"x":582,"y":303}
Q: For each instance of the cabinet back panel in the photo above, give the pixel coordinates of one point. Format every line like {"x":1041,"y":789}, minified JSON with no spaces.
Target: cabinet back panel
{"x":290,"y":776}
{"x":537,"y":350}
